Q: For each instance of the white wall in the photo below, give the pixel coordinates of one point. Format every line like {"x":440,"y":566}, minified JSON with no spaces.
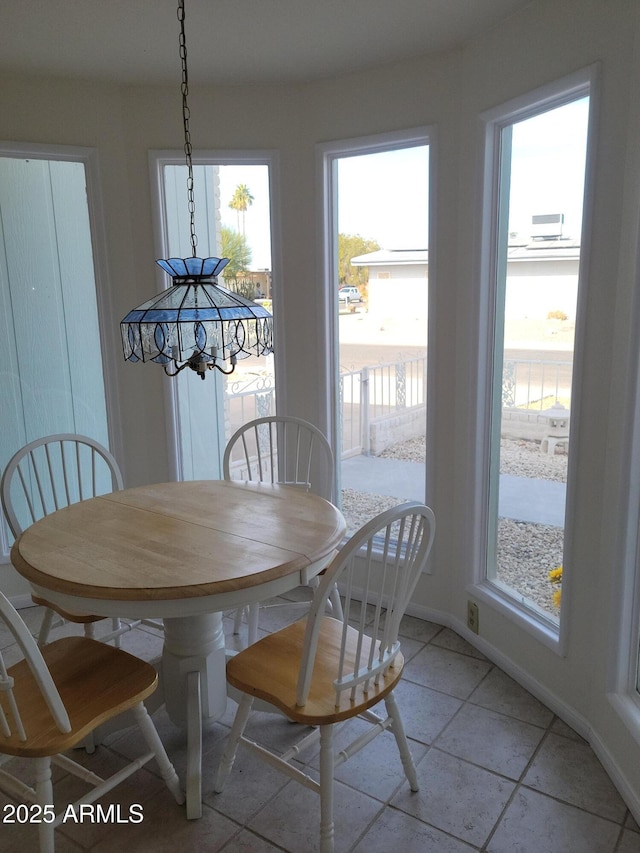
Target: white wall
{"x":397,"y":289}
{"x":534,"y":288}
{"x":547,"y":40}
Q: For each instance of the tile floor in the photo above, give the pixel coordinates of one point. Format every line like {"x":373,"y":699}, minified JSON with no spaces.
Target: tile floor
{"x":498,"y":772}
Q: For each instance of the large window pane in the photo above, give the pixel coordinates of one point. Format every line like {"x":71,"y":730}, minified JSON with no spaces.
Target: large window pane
{"x":381,"y":296}
{"x":52,"y":377}
{"x":542,"y":173}
{"x":232,"y":208}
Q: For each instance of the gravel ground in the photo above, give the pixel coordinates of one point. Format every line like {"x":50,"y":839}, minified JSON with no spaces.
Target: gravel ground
{"x":526,"y":552}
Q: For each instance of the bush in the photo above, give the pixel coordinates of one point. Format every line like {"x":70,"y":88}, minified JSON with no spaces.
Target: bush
{"x":556,"y":315}
{"x":242,"y":286}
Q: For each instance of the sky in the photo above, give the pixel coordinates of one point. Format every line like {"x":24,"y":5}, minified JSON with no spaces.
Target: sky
{"x":384,"y":196}
{"x":548,"y":163}
{"x":257,"y":220}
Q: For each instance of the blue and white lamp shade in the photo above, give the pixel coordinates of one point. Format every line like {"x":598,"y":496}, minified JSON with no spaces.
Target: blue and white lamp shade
{"x":196,"y":318}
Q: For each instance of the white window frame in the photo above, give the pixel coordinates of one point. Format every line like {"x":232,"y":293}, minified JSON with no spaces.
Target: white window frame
{"x":326,"y":156}
{"x":622,"y":689}
{"x":158,"y":159}
{"x":580,"y":84}
{"x":623,"y":692}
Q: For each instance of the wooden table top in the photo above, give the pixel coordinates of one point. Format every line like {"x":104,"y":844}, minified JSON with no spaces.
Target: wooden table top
{"x":178,"y":540}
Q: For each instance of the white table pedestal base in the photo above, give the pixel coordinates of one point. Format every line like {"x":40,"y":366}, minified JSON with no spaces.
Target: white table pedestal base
{"x":193,"y":665}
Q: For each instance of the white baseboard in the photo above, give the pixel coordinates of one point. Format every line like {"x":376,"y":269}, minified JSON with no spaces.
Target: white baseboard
{"x":626,"y":791}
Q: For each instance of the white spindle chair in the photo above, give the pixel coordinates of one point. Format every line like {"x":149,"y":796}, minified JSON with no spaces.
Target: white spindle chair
{"x":286,"y":450}
{"x":46,"y":475}
{"x":53,"y":699}
{"x":320,"y":671}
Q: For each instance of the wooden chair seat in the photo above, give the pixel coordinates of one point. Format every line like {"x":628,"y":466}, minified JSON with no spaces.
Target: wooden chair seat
{"x":96,"y":682}
{"x":269,"y":670}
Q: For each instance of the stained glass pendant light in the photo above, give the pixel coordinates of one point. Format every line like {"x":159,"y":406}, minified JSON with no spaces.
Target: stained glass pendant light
{"x":195,"y":323}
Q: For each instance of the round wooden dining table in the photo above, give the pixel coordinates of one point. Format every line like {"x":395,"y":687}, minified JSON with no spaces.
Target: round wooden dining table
{"x":184,"y":552}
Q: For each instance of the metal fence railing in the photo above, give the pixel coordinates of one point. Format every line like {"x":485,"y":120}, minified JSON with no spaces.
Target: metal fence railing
{"x":535,"y":383}
{"x":247,"y":399}
{"x":372,"y":393}
{"x":375,"y":392}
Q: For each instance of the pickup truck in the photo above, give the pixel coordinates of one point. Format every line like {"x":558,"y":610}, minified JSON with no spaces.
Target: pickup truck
{"x":349,"y":295}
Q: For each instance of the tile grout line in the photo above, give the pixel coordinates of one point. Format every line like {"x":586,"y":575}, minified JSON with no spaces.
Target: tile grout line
{"x":518,"y":785}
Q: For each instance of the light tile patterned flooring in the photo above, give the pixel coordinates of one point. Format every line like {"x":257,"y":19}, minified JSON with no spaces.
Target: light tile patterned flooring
{"x":498,"y":772}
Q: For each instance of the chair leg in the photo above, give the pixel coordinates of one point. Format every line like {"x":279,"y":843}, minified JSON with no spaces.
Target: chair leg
{"x":45,"y":627}
{"x":254,"y":617}
{"x":237,"y":730}
{"x":237,"y":619}
{"x":336,"y":604}
{"x":89,"y":743}
{"x":167,"y":770}
{"x":326,"y":789}
{"x":252,"y":613}
{"x":44,"y":797}
{"x":401,"y":739}
{"x":115,"y":626}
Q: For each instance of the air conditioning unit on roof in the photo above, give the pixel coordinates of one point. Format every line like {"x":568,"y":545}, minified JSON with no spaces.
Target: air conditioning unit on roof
{"x":547,"y":226}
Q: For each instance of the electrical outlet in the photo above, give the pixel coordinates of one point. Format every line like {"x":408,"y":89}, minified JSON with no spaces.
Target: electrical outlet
{"x":472,"y":616}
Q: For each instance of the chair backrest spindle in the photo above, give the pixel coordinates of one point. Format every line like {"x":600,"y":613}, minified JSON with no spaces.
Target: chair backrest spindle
{"x":281,"y":449}
{"x":6,"y":686}
{"x":53,"y":472}
{"x":39,"y":671}
{"x":386,"y":556}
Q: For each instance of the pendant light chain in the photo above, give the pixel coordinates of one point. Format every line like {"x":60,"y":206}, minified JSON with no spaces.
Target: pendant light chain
{"x":186,"y":115}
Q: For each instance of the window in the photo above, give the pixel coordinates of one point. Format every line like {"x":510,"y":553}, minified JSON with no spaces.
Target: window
{"x":377,"y":193}
{"x":536,"y":155}
{"x":52,"y":379}
{"x":233,"y":219}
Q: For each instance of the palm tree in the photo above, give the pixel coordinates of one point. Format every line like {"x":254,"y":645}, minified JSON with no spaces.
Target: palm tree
{"x":240,"y":201}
